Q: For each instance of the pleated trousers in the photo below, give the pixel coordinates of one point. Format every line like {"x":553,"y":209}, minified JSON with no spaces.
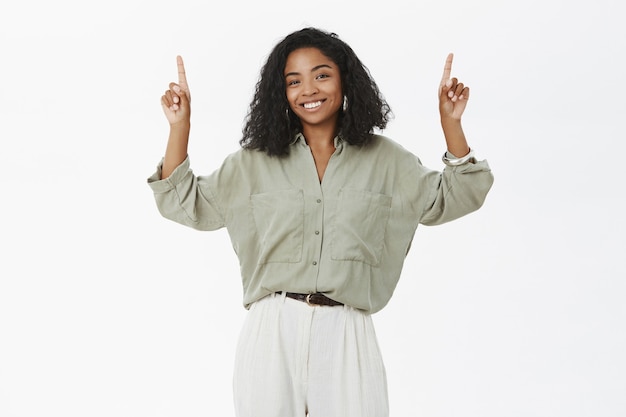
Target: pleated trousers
{"x":296,"y":360}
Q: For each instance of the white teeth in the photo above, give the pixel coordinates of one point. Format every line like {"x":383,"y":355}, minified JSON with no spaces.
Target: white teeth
{"x":312,"y":105}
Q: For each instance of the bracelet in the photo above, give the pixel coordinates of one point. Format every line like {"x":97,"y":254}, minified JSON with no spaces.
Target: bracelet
{"x":453,"y":162}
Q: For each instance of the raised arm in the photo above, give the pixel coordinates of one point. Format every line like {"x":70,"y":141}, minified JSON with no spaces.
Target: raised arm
{"x":453,"y":97}
{"x":176,"y":106}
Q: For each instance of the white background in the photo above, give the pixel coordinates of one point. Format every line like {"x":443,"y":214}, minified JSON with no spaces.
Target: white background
{"x":107,"y":309}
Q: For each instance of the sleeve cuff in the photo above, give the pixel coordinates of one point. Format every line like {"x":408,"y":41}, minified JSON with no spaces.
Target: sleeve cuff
{"x":159,"y":185}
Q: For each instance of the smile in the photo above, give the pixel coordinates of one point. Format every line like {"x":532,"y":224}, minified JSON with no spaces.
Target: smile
{"x":312,"y":105}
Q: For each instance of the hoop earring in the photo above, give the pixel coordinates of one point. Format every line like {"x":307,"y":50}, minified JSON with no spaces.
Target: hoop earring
{"x":345,"y":103}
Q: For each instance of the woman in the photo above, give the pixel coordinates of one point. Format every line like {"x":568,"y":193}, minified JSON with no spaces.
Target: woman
{"x":321,"y":213}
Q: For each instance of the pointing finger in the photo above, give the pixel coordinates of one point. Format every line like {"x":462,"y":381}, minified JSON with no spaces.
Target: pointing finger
{"x":447,"y":69}
{"x":182,"y":76}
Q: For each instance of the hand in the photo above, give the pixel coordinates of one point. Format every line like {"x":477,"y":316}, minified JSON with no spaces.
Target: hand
{"x":453,"y":95}
{"x":176,"y":101}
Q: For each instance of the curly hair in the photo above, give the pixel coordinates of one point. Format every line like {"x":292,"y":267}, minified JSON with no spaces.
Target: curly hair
{"x":270,"y":126}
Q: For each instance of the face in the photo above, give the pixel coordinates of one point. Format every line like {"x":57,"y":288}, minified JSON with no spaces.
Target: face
{"x":313,"y":87}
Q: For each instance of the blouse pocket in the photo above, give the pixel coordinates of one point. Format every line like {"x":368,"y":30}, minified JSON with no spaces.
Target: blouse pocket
{"x":279,"y":220}
{"x":359,"y":227}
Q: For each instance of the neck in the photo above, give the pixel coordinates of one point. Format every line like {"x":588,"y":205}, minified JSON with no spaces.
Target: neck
{"x":319,"y":138}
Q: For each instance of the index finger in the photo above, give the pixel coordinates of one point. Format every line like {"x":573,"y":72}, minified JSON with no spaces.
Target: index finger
{"x":447,"y":69}
{"x":182,"y":77}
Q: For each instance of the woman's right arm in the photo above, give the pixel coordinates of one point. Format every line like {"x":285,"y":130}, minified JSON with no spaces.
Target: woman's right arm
{"x":176,"y":106}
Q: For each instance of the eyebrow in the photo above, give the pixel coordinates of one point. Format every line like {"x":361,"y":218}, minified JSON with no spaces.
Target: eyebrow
{"x":312,"y":69}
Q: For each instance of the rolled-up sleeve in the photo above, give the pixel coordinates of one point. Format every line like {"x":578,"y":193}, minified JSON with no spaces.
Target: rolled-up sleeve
{"x":186,"y":199}
{"x":457,"y":191}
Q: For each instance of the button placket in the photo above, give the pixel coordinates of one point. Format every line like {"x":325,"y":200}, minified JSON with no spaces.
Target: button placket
{"x":317,"y":230}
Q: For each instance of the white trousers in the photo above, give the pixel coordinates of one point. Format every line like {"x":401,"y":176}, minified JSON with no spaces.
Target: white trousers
{"x":295,"y":360}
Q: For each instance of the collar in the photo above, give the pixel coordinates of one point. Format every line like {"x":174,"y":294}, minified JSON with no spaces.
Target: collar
{"x":299,"y":138}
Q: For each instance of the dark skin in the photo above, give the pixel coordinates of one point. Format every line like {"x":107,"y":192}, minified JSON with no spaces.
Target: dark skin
{"x":315,"y":96}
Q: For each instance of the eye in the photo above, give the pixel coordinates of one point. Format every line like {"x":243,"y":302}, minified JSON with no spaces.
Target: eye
{"x":321,"y":76}
{"x":292,"y":82}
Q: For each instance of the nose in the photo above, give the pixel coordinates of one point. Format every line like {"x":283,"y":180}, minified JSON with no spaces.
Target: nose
{"x":309,"y":88}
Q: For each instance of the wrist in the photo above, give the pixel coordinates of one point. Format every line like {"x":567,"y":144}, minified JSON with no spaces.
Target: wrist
{"x":451,"y":160}
{"x":454,"y":136}
{"x":448,"y":122}
{"x":181,"y":127}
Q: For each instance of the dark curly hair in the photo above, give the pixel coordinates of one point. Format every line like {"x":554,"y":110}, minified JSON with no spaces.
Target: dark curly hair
{"x":270,"y":126}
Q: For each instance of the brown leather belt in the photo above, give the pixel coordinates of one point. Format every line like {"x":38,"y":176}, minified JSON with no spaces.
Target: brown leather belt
{"x":316,"y":299}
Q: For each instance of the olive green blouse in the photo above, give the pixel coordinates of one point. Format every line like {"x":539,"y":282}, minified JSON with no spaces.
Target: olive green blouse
{"x":346,"y":237}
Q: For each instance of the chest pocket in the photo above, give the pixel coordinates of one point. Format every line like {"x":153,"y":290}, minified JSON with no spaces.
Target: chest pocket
{"x":359,"y":226}
{"x":279,"y":220}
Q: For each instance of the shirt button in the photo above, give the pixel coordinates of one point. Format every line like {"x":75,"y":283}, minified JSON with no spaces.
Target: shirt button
{"x":317,"y":232}
{"x":314,"y":263}
{"x":319,"y":200}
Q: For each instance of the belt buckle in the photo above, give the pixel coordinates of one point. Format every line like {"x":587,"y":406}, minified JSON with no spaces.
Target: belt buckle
{"x":308,"y":300}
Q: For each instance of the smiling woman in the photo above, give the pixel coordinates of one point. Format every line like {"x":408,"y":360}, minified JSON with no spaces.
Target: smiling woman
{"x":313,"y":90}
{"x":321,"y":212}
{"x":315,"y":97}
